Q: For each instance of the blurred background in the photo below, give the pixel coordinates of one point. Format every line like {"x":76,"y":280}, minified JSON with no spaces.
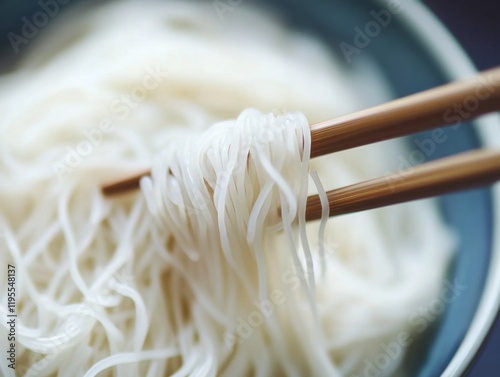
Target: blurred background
{"x":476,"y":26}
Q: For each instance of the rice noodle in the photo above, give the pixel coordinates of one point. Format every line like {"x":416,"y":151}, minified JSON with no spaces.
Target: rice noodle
{"x":211,"y":269}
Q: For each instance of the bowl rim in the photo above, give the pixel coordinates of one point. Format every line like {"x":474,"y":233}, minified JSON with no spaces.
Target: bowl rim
{"x":456,"y":64}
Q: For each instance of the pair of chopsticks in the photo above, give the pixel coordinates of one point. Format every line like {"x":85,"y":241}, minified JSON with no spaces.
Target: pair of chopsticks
{"x":463,"y":100}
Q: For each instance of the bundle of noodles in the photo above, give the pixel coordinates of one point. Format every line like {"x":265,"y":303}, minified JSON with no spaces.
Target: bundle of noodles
{"x":211,"y":269}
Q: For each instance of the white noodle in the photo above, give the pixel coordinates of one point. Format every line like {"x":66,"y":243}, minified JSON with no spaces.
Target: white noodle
{"x":211,"y":269}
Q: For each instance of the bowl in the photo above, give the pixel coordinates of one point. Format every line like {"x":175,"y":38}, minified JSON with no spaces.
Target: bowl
{"x":398,"y":44}
{"x":406,"y":44}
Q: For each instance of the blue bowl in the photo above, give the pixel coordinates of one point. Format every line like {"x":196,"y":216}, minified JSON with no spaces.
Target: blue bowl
{"x":413,"y":52}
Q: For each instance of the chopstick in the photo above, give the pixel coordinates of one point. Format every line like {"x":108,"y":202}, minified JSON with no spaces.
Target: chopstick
{"x":446,"y":104}
{"x":443,"y":105}
{"x":459,"y":172}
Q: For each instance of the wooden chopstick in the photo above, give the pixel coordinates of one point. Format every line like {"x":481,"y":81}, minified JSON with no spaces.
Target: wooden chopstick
{"x":444,"y":105}
{"x":456,"y":101}
{"x":459,"y":172}
{"x":124,"y":185}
